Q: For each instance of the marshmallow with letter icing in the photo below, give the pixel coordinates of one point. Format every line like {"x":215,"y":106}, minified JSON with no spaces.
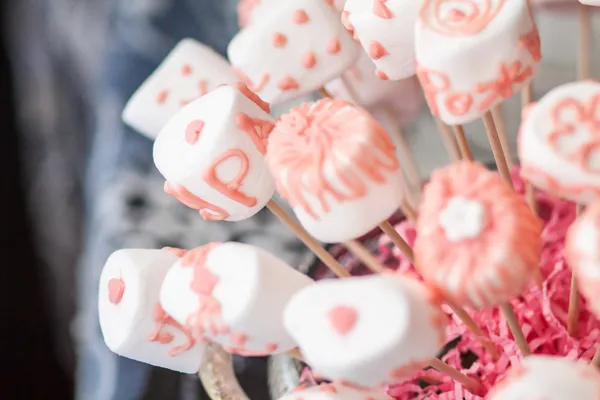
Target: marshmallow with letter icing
{"x":332,"y":160}
{"x":297,"y":47}
{"x":548,"y":378}
{"x":472,"y":55}
{"x":250,"y":11}
{"x":386,"y":31}
{"x":479,"y":242}
{"x":582,"y":251}
{"x":559,"y":142}
{"x":133,"y":323}
{"x":191,"y":70}
{"x":351,"y":338}
{"x":328,"y":391}
{"x":233,"y":294}
{"x":212,"y":154}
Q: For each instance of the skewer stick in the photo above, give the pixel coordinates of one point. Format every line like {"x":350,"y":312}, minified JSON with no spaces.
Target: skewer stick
{"x":471,"y":384}
{"x":463,"y":144}
{"x":365,"y":256}
{"x":501,"y":128}
{"x":573,"y":316}
{"x":596,"y":360}
{"x":324,"y":93}
{"x":449,"y":142}
{"x":308,"y":240}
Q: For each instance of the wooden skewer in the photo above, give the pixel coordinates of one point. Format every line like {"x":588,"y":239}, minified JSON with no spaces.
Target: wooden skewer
{"x":324,"y":93}
{"x":308,"y":240}
{"x":463,"y":144}
{"x":596,"y":360}
{"x":501,"y":128}
{"x":469,"y":383}
{"x":449,"y":142}
{"x":502,"y":166}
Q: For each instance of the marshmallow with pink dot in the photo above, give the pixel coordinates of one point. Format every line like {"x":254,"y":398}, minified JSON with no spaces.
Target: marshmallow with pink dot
{"x":473,"y":55}
{"x":211,"y":154}
{"x":329,"y":391}
{"x":295,"y":49}
{"x":385,"y":28}
{"x":133,"y":323}
{"x":233,"y":294}
{"x":548,"y":378}
{"x":344,"y":330}
{"x":190,"y":71}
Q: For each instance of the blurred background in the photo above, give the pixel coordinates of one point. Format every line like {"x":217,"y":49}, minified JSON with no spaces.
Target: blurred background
{"x":79,"y":184}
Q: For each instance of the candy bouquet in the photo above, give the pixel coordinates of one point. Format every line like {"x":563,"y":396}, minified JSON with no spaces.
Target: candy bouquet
{"x":478,"y":294}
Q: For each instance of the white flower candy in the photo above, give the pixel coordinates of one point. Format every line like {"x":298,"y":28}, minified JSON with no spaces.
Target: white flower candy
{"x":190,"y":71}
{"x":133,"y":322}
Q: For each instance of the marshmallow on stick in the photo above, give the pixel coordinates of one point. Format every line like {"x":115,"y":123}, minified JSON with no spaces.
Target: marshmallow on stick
{"x":328,"y":391}
{"x":368,"y":331}
{"x":548,"y":378}
{"x":385,"y":28}
{"x":337,"y":167}
{"x":133,"y":322}
{"x":582,"y":251}
{"x":473,"y":55}
{"x":212,"y":154}
{"x":191,"y":70}
{"x":250,"y":11}
{"x":559,"y":141}
{"x":295,"y":48}
{"x":478,"y":242}
{"x":233,"y":294}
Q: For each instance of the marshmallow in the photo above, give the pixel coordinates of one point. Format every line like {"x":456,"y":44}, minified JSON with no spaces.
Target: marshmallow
{"x":133,"y":323}
{"x":191,"y":70}
{"x":594,"y":3}
{"x":385,"y":28}
{"x":478,"y":242}
{"x":368,"y":331}
{"x":548,"y":378}
{"x":250,"y":11}
{"x":473,"y":55}
{"x":582,"y":252}
{"x":233,"y":294}
{"x":558,"y":142}
{"x":361,"y":85}
{"x":297,"y":47}
{"x":212,"y":154}
{"x":337,"y":167}
{"x":328,"y":391}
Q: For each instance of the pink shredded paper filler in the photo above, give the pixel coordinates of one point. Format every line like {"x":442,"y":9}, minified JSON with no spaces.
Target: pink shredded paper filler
{"x":542,"y":314}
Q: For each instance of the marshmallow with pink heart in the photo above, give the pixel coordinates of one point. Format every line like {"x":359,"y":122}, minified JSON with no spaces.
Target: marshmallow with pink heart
{"x":211,"y":154}
{"x":233,"y":294}
{"x":368,"y":331}
{"x":548,"y":378}
{"x":329,"y":391}
{"x":473,"y":55}
{"x":293,"y":50}
{"x":331,"y":160}
{"x":559,"y":142}
{"x":133,"y":323}
{"x":385,"y":28}
{"x":190,"y":71}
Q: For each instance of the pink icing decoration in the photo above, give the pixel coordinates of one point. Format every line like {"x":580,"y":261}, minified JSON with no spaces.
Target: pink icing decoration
{"x":116,"y":289}
{"x":301,"y":17}
{"x":376,"y":50}
{"x":309,"y":60}
{"x":381,"y":9}
{"x":334,"y":46}
{"x":193,"y":131}
{"x":343,"y":319}
{"x":288,"y":83}
{"x":279,"y":40}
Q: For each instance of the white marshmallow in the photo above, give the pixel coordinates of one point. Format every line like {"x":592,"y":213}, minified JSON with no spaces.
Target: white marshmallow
{"x":133,"y":323}
{"x":191,"y":70}
{"x":368,"y":331}
{"x":594,"y":3}
{"x":233,"y":294}
{"x":250,"y":11}
{"x":337,"y":167}
{"x":582,"y":252}
{"x":473,"y":55}
{"x":548,"y":378}
{"x":334,"y":392}
{"x":297,"y":47}
{"x":554,"y":139}
{"x":212,"y":155}
{"x":361,"y":85}
{"x":386,"y":31}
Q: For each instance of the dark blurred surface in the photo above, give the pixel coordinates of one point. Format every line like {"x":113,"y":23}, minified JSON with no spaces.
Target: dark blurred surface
{"x":30,"y":367}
